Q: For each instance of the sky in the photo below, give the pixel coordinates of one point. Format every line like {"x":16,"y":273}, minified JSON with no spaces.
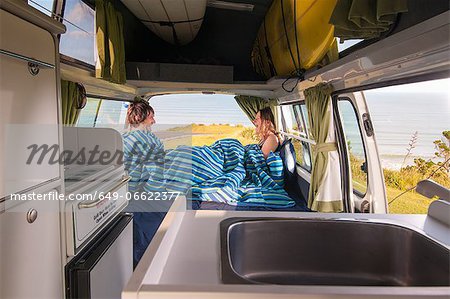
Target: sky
{"x":81,"y":15}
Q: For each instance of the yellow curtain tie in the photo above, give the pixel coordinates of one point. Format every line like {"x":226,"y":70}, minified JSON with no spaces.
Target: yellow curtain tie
{"x":326,"y":147}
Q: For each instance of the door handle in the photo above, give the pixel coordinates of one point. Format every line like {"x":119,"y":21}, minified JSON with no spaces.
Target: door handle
{"x":27,"y":59}
{"x":93,"y":203}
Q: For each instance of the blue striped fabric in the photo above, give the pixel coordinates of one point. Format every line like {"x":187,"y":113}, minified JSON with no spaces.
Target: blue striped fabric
{"x":225,"y":172}
{"x":228,"y":172}
{"x":144,"y":160}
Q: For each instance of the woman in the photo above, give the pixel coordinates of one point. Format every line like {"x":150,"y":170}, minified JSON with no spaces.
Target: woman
{"x":143,"y":151}
{"x":270,"y":139}
{"x":144,"y":161}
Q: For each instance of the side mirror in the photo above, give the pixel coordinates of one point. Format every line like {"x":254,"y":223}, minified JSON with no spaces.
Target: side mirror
{"x":430,"y":189}
{"x":438,"y":209}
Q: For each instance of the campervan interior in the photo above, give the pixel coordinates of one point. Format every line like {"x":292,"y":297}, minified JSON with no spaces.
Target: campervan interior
{"x":323,"y":216}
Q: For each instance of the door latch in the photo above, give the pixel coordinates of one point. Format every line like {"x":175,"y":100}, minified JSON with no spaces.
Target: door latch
{"x":367,"y":124}
{"x":363,"y":167}
{"x":33,"y":68}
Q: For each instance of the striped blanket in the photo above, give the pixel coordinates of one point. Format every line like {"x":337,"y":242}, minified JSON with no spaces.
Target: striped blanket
{"x":225,"y":172}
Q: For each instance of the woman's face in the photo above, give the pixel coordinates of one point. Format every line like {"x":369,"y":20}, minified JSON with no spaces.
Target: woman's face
{"x":150,"y":120}
{"x":257,"y":121}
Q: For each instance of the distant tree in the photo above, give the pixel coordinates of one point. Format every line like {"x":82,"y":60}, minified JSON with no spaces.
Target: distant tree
{"x":422,"y":166}
{"x":442,"y":147}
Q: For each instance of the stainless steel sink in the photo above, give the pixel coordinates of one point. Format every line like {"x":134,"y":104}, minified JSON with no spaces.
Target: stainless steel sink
{"x":329,"y":252}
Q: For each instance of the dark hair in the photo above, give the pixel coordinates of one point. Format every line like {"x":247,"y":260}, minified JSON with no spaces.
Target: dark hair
{"x":138,"y":111}
{"x":266,"y":114}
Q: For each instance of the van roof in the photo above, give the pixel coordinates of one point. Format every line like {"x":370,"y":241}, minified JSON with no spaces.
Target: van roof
{"x":224,"y":42}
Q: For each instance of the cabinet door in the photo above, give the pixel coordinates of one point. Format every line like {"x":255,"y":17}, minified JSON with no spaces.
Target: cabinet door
{"x":29,"y":105}
{"x":30,"y":251}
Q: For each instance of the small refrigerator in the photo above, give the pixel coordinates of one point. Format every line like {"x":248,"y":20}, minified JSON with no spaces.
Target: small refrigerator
{"x":104,"y":266}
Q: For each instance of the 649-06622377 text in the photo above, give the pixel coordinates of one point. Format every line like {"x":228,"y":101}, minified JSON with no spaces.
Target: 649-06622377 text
{"x":52,"y":196}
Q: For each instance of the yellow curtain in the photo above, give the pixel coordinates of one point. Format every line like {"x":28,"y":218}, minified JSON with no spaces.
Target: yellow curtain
{"x":110,"y":43}
{"x":73,"y":99}
{"x":318,"y":105}
{"x":251,"y":105}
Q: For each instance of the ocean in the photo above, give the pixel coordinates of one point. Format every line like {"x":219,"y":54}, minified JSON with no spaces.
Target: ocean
{"x":396,"y":113}
{"x":199,"y":109}
{"x":397,"y":116}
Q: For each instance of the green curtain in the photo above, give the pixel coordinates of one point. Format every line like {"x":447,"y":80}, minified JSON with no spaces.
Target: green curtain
{"x":72,"y":98}
{"x":317,"y":103}
{"x":251,"y":105}
{"x":365,"y":19}
{"x":110,"y":43}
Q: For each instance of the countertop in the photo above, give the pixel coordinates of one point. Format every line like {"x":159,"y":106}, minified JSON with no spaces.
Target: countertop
{"x":183,"y":259}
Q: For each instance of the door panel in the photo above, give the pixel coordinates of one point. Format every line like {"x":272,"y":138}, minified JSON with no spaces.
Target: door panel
{"x":365,"y":170}
{"x":29,"y":113}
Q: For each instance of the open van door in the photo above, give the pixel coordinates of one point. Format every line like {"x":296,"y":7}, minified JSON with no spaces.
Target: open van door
{"x":360,"y":154}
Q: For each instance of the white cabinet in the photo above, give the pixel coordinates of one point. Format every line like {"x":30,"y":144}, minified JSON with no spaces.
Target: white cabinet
{"x":30,"y":233}
{"x":29,"y":104}
{"x":30,"y":253}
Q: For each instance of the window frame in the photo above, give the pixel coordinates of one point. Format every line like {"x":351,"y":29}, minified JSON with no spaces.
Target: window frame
{"x":298,"y":138}
{"x":336,"y":99}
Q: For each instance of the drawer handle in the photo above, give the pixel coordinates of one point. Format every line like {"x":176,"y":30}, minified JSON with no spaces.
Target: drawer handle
{"x":91,"y":204}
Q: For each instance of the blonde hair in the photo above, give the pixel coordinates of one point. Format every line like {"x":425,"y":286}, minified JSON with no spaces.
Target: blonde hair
{"x":267,"y":124}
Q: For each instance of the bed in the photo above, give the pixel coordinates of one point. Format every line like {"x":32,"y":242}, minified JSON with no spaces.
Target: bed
{"x":225,"y":175}
{"x":230,"y":176}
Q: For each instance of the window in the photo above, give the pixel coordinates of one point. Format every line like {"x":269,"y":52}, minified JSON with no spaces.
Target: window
{"x":200,"y":119}
{"x":103,"y":113}
{"x":89,"y":113}
{"x":412,"y":130}
{"x":79,"y":40}
{"x":112,"y":114}
{"x":45,"y":6}
{"x":297,"y":128}
{"x":355,"y":146}
{"x":347,"y":44}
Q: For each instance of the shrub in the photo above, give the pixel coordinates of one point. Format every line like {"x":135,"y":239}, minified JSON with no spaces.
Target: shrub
{"x":249,"y":133}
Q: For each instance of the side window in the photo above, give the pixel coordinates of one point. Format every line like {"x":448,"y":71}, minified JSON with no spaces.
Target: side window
{"x":112,"y":114}
{"x":79,"y":40}
{"x":103,"y":113}
{"x":296,"y":129}
{"x":412,"y":130}
{"x":88,"y":114}
{"x":355,"y":146}
{"x":45,"y":6}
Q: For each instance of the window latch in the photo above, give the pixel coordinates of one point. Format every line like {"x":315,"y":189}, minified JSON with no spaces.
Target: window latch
{"x":367,"y":124}
{"x":364,"y":167}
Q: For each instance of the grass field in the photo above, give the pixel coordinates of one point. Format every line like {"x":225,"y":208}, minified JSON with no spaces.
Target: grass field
{"x":409,"y":203}
{"x":199,"y":135}
{"x":208,"y":134}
